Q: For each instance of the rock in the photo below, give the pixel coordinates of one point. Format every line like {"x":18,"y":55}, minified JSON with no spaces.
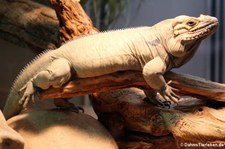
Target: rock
{"x":9,"y":138}
{"x":62,"y":130}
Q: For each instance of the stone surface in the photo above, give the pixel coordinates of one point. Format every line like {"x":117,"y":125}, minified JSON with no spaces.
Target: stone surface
{"x":61,"y":130}
{"x":9,"y":138}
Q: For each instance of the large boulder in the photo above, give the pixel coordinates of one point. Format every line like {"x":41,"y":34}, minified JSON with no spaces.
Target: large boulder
{"x":9,"y":138}
{"x":61,"y":130}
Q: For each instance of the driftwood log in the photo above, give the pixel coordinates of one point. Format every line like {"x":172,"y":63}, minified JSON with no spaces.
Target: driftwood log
{"x":135,"y":123}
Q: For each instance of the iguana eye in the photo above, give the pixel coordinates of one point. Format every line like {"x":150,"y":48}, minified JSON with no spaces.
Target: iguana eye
{"x":191,"y":23}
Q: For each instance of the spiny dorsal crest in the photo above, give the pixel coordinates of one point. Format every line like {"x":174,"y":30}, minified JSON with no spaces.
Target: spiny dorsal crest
{"x":103,"y":32}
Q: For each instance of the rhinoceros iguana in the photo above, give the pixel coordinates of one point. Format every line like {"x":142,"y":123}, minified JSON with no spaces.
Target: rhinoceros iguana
{"x":151,"y":50}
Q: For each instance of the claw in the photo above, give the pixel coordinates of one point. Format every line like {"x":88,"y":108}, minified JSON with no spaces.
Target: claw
{"x":166,"y":104}
{"x":169,"y":82}
{"x":21,"y":101}
{"x":26,"y":102}
{"x":22,"y":89}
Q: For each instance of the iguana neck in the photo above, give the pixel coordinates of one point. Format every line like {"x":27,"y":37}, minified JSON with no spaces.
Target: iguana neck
{"x":190,"y":51}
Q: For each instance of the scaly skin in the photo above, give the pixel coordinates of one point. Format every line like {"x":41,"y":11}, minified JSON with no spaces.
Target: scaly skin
{"x":151,"y":50}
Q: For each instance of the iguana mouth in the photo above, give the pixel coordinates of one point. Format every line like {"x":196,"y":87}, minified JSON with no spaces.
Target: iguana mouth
{"x":202,"y":31}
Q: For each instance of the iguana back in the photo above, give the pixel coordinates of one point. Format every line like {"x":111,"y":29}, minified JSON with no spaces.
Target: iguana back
{"x":107,"y":52}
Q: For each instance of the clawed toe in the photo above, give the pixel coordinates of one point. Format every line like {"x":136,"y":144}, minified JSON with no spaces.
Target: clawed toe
{"x":166,"y":104}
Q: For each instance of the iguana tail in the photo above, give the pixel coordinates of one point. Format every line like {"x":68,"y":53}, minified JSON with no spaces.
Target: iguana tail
{"x":12,"y":106}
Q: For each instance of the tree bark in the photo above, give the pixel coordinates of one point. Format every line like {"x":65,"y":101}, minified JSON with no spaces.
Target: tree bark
{"x":73,"y":21}
{"x":29,"y":24}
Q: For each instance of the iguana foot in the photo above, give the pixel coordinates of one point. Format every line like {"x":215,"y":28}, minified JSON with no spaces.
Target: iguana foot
{"x":65,"y":104}
{"x":156,"y":99}
{"x":77,"y":109}
{"x":165,"y":104}
{"x":29,"y":93}
{"x":167,"y":93}
{"x":158,"y":102}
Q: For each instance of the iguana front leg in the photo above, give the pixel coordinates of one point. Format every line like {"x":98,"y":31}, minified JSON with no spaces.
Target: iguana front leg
{"x":56,"y":74}
{"x":29,"y":91}
{"x":153,"y":74}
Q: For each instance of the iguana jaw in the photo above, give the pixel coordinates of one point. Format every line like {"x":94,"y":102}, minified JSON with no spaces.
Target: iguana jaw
{"x":202,"y":32}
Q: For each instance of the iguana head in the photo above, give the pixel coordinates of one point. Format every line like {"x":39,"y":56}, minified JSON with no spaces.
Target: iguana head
{"x":185,"y":33}
{"x":190,"y":28}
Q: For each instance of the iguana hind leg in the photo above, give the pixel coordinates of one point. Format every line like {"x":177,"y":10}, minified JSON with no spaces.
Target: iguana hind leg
{"x":64,"y":103}
{"x":56,"y":74}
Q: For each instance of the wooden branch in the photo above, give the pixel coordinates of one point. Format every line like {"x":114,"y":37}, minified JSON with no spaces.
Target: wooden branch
{"x":187,"y":85}
{"x":29,"y":24}
{"x":73,"y":21}
{"x":86,"y":86}
{"x":196,"y":86}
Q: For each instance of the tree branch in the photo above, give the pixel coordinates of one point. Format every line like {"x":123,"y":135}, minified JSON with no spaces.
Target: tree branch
{"x":187,"y":85}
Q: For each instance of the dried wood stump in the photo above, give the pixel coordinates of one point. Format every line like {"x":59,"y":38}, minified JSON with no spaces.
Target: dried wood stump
{"x":73,"y":21}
